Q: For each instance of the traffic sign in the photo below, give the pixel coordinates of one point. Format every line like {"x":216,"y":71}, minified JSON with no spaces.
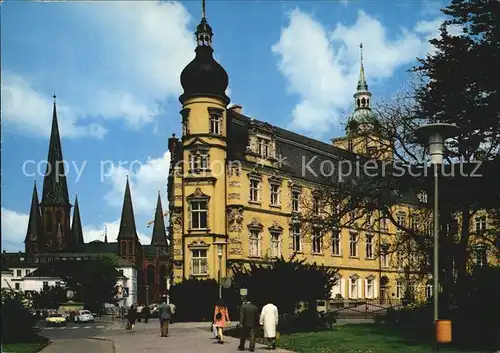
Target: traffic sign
{"x":243,"y":292}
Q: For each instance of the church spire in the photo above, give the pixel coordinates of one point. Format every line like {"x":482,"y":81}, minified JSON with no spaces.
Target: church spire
{"x":159,"y":237}
{"x":55,"y":187}
{"x":362,"y":85}
{"x":34,"y":231}
{"x":76,"y":225}
{"x":127,"y":224}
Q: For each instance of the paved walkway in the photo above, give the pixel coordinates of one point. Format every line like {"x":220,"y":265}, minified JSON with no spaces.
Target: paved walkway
{"x":183,"y":338}
{"x":79,"y":346}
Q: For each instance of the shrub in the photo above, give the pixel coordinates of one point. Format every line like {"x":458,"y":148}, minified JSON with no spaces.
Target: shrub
{"x":18,"y":324}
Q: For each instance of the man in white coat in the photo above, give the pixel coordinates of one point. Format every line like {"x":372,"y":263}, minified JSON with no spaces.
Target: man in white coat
{"x":269,"y":320}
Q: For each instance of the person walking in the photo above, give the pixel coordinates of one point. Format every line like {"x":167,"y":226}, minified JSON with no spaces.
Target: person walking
{"x":221,"y":318}
{"x":146,"y":313}
{"x":139,"y":312}
{"x":269,"y":320}
{"x":132,"y":316}
{"x":165,"y":315}
{"x":249,"y":318}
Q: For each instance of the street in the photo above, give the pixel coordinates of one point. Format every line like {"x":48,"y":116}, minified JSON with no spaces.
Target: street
{"x":73,"y":331}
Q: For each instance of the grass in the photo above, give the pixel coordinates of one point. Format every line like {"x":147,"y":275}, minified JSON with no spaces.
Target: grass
{"x":23,"y":347}
{"x":355,"y":339}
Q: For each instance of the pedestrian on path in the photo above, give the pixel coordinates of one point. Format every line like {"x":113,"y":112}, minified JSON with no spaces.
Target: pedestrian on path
{"x":146,"y":312}
{"x":132,"y":316}
{"x":139,"y":312}
{"x":165,"y":315}
{"x":249,"y":320}
{"x":221,"y":319}
{"x":269,"y":320}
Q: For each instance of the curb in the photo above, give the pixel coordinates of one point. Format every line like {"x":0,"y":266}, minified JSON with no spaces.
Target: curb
{"x":104,"y":339}
{"x":46,"y":346}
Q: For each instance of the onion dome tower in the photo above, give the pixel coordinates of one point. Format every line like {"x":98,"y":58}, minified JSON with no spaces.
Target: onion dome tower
{"x":204,"y":76}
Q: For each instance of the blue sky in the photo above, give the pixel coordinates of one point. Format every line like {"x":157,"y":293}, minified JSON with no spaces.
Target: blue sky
{"x":115,"y":68}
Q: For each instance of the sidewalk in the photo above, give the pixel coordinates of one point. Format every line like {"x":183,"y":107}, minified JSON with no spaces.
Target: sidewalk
{"x":79,"y":346}
{"x":183,"y":338}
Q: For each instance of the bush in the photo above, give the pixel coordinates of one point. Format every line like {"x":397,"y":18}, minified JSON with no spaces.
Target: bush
{"x":18,"y":324}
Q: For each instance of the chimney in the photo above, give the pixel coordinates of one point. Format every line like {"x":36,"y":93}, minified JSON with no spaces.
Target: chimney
{"x":237,"y":108}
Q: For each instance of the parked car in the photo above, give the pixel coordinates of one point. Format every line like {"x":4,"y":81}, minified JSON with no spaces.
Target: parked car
{"x":84,"y":316}
{"x":55,"y":319}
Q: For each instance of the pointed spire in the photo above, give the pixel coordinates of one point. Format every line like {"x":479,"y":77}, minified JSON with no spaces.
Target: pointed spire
{"x":105,"y":233}
{"x":204,"y":31}
{"x":159,"y":237}
{"x":55,"y":187}
{"x":203,"y":10}
{"x":76,"y":225}
{"x":34,"y":231}
{"x":127,"y":223}
{"x":362,"y":85}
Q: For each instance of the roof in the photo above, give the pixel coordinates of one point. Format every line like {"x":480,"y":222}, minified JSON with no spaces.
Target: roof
{"x":303,"y":158}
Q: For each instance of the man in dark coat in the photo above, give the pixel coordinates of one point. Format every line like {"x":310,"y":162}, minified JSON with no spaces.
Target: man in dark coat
{"x":249,"y":322}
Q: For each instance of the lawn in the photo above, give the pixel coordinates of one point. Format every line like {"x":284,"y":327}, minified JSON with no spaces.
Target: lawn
{"x":355,"y":339}
{"x":23,"y":347}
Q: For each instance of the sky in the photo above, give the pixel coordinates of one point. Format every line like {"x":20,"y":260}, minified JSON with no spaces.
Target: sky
{"x":115,"y":69}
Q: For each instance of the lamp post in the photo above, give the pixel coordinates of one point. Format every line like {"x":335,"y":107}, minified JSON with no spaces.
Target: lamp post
{"x":220,"y":248}
{"x":434,"y":136}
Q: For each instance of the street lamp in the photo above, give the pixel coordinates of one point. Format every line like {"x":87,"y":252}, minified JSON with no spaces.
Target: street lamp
{"x":220,"y":248}
{"x":434,"y":136}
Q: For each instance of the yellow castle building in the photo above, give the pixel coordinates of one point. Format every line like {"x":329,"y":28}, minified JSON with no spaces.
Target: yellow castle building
{"x":237,"y":183}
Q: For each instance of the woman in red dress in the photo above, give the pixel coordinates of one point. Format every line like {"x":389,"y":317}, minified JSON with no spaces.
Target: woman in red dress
{"x":221,"y":319}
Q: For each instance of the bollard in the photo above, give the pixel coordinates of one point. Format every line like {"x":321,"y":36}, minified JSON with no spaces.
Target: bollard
{"x":443,"y":331}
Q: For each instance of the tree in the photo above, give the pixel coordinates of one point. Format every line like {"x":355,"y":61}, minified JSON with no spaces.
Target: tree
{"x":92,"y":280}
{"x":49,"y":297}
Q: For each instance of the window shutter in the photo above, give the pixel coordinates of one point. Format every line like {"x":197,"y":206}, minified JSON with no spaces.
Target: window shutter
{"x":366,"y":289}
{"x":360,"y":288}
{"x":375,"y":288}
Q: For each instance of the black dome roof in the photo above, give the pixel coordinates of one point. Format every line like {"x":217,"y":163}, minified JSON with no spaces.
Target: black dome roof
{"x":204,"y":76}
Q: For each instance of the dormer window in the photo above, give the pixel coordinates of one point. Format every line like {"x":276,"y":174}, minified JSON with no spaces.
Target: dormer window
{"x":264,"y":147}
{"x":350,"y":146}
{"x":215,"y":124}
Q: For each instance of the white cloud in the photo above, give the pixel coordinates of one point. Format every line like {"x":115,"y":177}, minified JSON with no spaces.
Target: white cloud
{"x":93,"y":232}
{"x":138,"y":50}
{"x":322,"y":68}
{"x":146,"y":178}
{"x":14,"y":226}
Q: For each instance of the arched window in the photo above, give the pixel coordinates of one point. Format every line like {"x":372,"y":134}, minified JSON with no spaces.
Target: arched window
{"x":48,"y":221}
{"x":358,"y":102}
{"x":363,"y":102}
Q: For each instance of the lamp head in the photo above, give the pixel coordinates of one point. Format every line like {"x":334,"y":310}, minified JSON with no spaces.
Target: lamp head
{"x":220,"y":247}
{"x":434,"y":135}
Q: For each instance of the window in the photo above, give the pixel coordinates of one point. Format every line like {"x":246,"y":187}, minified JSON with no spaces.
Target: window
{"x":263,"y":147}
{"x":199,"y":161}
{"x":254,"y":248}
{"x":336,"y":250}
{"x":428,"y":291}
{"x":480,"y":224}
{"x":295,"y":201}
{"x":28,"y":272}
{"x":254,"y":190}
{"x":369,"y":246}
{"x":58,"y":284}
{"x":297,"y":245}
{"x":199,"y":215}
{"x":275,"y":194}
{"x":199,"y":262}
{"x":130,"y":249}
{"x":121,"y":271}
{"x":384,"y":259}
{"x":400,"y":259}
{"x":399,"y":289}
{"x":383,"y":223}
{"x":317,"y":242}
{"x":350,"y":146}
{"x":19,"y":273}
{"x":480,"y":256}
{"x":400,"y":219}
{"x":45,"y":284}
{"x":316,"y":204}
{"x":215,"y":124}
{"x":369,"y":288}
{"x":17,"y":286}
{"x":275,"y":245}
{"x":353,"y":288}
{"x":353,"y":245}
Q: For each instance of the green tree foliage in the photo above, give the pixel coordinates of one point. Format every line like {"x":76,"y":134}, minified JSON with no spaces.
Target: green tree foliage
{"x":271,"y":283}
{"x":49,"y":297}
{"x":92,"y":280}
{"x":462,"y":77}
{"x":17,"y":321}
{"x":194,"y":299}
